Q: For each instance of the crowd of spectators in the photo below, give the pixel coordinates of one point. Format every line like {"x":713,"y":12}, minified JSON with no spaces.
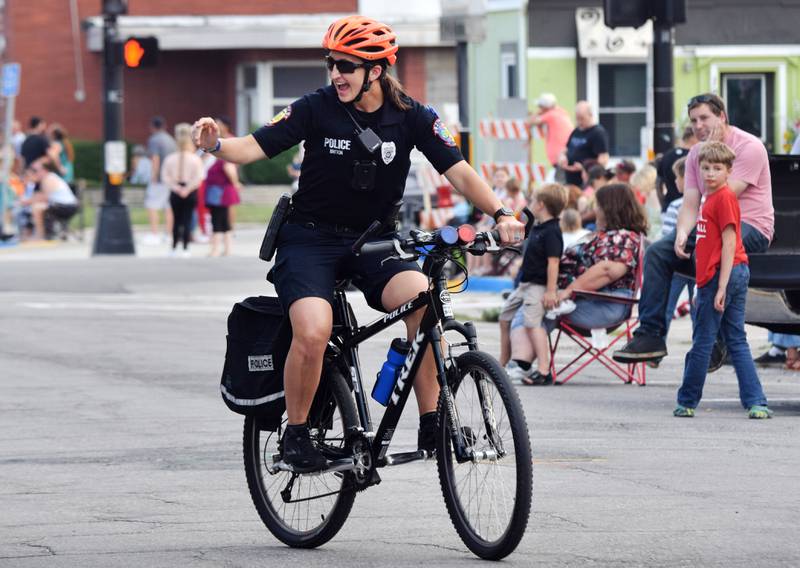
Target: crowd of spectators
{"x":40,"y":196}
{"x":609,"y":208}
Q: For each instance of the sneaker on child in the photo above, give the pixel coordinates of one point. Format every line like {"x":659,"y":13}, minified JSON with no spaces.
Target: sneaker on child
{"x":516,"y":373}
{"x":759,"y":412}
{"x":565,"y":307}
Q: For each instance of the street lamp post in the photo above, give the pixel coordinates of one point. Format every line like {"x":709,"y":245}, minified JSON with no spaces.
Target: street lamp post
{"x":113,"y":234}
{"x":663,"y":90}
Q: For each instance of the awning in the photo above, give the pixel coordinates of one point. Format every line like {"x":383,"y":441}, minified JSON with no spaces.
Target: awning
{"x":251,"y":32}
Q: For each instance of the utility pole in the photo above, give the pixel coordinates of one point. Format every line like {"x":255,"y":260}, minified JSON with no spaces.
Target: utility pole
{"x":113,"y":234}
{"x":665,"y":14}
{"x":463,"y":100}
{"x":663,"y":91}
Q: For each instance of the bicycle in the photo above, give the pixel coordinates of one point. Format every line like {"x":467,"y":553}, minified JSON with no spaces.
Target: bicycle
{"x":482,"y":451}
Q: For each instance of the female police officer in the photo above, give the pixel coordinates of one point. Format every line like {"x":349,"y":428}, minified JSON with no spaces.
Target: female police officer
{"x":348,"y":180}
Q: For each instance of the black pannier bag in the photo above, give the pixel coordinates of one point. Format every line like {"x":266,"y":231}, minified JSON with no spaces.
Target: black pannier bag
{"x":258,"y":340}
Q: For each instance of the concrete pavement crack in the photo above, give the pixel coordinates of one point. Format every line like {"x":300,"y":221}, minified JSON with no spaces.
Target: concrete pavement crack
{"x":49,"y":550}
{"x":431,"y":545}
{"x":564,"y":519}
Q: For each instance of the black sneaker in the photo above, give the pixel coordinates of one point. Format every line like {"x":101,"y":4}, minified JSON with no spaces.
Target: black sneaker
{"x":299,"y":452}
{"x":426,"y":435}
{"x":538,"y":379}
{"x":718,"y":354}
{"x":767,"y":358}
{"x":641,"y":348}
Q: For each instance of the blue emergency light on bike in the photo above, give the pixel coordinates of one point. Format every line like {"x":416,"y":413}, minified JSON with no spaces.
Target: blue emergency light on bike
{"x":448,"y":235}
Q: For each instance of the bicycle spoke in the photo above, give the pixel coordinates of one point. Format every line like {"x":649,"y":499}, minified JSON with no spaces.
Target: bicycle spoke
{"x":486,"y":487}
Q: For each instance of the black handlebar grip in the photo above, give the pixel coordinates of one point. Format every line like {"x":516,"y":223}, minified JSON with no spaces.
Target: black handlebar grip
{"x":528,"y":221}
{"x":378,"y":247}
{"x":364,"y":236}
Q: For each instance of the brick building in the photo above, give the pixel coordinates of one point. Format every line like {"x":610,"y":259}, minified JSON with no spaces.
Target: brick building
{"x":242,"y":58}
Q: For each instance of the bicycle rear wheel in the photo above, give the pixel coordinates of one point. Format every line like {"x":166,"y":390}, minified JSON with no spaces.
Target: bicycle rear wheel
{"x":488,"y":496}
{"x":304,"y":511}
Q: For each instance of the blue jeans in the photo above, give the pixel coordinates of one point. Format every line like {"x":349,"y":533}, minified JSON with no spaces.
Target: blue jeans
{"x":678,"y":282}
{"x":596,"y":314}
{"x":661,"y":263}
{"x":730,"y":322}
{"x":784,"y":340}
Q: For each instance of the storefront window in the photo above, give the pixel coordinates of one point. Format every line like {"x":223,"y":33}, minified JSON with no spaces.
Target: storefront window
{"x":622,"y":111}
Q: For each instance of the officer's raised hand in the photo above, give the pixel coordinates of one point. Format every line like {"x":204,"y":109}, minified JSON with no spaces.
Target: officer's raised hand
{"x":205,"y":133}
{"x":511,"y":231}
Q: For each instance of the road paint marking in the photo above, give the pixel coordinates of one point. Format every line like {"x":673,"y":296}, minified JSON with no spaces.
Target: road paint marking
{"x":142,"y":307}
{"x":771,"y":400}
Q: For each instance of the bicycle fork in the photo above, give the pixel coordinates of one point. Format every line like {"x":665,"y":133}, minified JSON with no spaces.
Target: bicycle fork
{"x":463,"y":450}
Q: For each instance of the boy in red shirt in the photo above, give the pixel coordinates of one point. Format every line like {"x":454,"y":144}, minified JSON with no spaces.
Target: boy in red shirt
{"x":722,"y":278}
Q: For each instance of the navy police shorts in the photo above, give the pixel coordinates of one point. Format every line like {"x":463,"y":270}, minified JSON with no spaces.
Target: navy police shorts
{"x":310,"y":260}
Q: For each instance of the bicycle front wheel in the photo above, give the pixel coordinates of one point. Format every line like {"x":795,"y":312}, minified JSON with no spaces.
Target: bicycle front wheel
{"x":488,"y":493}
{"x":304,"y":510}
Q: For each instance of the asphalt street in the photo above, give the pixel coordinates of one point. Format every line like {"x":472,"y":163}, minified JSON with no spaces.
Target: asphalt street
{"x":116,"y":449}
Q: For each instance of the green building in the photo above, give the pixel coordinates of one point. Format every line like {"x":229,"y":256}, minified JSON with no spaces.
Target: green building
{"x":744,"y":51}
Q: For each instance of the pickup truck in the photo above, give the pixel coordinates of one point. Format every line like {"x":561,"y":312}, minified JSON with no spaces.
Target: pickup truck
{"x":773,"y":300}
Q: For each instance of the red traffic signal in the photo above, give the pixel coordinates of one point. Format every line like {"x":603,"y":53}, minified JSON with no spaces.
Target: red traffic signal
{"x":140,"y":52}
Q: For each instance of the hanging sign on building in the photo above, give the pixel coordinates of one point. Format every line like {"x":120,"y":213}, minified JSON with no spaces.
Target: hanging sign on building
{"x":597,"y":40}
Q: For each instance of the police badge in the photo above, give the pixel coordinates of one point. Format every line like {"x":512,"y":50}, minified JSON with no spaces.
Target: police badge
{"x":388,"y":150}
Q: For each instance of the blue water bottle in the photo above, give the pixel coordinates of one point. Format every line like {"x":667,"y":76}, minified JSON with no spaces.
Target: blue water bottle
{"x":388,"y":374}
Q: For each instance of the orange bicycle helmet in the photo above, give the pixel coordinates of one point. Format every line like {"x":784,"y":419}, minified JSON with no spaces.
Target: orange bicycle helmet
{"x":362,"y":37}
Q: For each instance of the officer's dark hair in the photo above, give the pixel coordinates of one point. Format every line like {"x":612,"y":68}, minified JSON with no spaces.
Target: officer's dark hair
{"x":393,"y":89}
{"x":34,"y":122}
{"x":158,"y":122}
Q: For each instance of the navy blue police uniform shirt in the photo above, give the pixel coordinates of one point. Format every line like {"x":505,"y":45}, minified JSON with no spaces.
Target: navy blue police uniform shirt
{"x":325,"y":191}
{"x":545,"y":241}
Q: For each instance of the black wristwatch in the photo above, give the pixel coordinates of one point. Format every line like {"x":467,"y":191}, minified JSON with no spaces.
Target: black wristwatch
{"x":502,"y":212}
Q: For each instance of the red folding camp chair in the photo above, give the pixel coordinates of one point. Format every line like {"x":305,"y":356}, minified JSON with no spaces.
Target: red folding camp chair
{"x":590,"y":353}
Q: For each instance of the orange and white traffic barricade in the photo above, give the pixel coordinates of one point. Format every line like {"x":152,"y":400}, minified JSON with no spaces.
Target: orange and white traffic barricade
{"x":508,"y":129}
{"x":522,"y":171}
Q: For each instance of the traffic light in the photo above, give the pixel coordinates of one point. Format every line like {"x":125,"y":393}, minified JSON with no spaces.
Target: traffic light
{"x":626,"y":13}
{"x":140,"y":52}
{"x":634,"y":13}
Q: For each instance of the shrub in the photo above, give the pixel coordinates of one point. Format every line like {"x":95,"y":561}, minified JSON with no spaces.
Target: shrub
{"x":88,"y":160}
{"x":272,"y":171}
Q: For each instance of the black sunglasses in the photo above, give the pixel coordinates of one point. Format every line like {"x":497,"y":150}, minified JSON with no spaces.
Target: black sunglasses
{"x":343,"y":65}
{"x":705,"y":100}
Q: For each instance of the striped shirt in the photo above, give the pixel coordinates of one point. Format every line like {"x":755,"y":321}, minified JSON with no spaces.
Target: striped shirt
{"x":669,"y":218}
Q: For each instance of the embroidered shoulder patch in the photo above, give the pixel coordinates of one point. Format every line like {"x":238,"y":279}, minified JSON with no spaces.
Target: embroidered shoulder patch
{"x":440,"y":130}
{"x":283,"y":115}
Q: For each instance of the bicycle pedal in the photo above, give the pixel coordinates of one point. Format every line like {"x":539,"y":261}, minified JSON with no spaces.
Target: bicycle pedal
{"x":406,"y":457}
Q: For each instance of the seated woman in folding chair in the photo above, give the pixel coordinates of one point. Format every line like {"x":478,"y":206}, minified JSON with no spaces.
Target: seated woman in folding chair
{"x":608,"y":262}
{"x":606,"y":265}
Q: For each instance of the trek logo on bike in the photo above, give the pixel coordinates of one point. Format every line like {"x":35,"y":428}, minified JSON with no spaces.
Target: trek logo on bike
{"x":401,"y":380}
{"x":260,"y":363}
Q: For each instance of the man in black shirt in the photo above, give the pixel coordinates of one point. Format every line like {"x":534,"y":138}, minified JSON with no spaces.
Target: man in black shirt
{"x":667,"y":191}
{"x":589,"y":141}
{"x":36,"y":143}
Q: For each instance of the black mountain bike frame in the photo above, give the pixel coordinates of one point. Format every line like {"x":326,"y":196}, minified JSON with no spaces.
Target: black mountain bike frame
{"x":437,"y":319}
